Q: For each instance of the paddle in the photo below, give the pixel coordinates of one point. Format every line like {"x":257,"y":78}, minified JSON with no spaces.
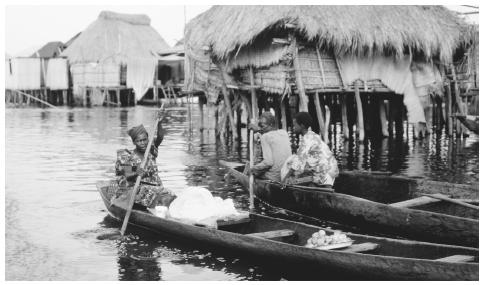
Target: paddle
{"x":138,"y":179}
{"x":447,"y":199}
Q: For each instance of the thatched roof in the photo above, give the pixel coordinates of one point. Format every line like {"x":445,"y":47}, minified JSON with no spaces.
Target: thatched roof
{"x":433,"y":31}
{"x":116,"y":37}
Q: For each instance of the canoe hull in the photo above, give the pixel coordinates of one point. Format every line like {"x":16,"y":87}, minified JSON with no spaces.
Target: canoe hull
{"x":369,"y":266}
{"x":347,"y":209}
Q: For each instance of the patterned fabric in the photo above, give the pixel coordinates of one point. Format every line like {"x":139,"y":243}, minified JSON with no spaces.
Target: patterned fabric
{"x":151,"y":185}
{"x":313,"y":158}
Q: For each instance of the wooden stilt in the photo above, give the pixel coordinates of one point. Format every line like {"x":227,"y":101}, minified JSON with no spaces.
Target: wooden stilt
{"x":360,"y":115}
{"x":399,"y":125}
{"x":320,"y":118}
{"x":226,"y":97}
{"x":202,"y":114}
{"x":64,"y":97}
{"x":303,"y":100}
{"x":382,"y":117}
{"x":343,"y":110}
{"x":283,"y":114}
{"x":327,"y":124}
{"x":118,"y":96}
{"x":449,"y":117}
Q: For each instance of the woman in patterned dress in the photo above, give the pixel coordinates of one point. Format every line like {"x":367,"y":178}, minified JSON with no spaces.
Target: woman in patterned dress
{"x":151,"y":191}
{"x":313,"y":158}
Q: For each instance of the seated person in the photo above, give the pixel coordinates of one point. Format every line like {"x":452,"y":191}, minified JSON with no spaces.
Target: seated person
{"x":275,"y":145}
{"x":151,"y":191}
{"x":313,"y":157}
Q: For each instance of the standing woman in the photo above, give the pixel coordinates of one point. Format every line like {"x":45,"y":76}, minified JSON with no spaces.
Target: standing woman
{"x":151,"y":190}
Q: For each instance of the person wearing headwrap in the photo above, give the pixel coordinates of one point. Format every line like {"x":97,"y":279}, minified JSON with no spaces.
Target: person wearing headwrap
{"x":151,"y":191}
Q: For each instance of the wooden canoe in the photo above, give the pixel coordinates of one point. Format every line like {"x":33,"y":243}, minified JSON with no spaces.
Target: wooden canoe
{"x":471,"y":122}
{"x":366,"y":214}
{"x":283,"y":241}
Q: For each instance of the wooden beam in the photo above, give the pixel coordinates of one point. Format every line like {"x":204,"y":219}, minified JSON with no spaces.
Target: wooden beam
{"x":303,"y":102}
{"x":279,"y":41}
{"x":273,"y":234}
{"x":454,"y":201}
{"x":223,"y":223}
{"x":361,"y":247}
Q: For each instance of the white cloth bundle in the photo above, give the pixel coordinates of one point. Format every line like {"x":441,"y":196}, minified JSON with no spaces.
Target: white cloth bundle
{"x":197,"y":205}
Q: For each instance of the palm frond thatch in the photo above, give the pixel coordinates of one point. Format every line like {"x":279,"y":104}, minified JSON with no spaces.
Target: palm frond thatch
{"x":433,"y":31}
{"x":115,"y":38}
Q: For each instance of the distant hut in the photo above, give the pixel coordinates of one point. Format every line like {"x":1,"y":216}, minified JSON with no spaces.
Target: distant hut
{"x":118,"y":53}
{"x":318,"y":58}
{"x":54,"y":72}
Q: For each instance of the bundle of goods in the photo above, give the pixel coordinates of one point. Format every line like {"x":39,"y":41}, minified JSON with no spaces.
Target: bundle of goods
{"x":320,"y":240}
{"x":196,"y":205}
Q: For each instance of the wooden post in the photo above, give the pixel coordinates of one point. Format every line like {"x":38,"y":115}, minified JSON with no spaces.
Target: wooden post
{"x":64,"y":97}
{"x":360,"y":115}
{"x":398,"y":111}
{"x":227,"y":100}
{"x":283,"y":114}
{"x":303,"y":100}
{"x":343,"y":110}
{"x":118,"y":96}
{"x":327,"y":124}
{"x":320,"y":118}
{"x":449,"y":104}
{"x":382,"y":116}
{"x":84,"y":96}
{"x":202,"y":113}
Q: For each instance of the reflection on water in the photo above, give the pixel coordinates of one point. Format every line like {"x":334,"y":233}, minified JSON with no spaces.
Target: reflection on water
{"x":54,"y":215}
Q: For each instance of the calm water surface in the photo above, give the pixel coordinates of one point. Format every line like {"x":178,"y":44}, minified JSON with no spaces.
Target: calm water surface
{"x":55,"y":217}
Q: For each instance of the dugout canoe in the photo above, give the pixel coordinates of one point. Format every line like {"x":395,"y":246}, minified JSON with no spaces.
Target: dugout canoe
{"x":283,"y":241}
{"x":327,"y":204}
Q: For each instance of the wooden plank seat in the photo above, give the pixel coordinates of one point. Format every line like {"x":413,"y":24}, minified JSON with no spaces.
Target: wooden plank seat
{"x":419,"y":201}
{"x":360,"y":247}
{"x":224,"y":223}
{"x":457,"y":258}
{"x":273,"y":234}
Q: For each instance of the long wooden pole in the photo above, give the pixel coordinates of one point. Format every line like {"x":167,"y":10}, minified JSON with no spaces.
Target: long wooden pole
{"x":447,"y":199}
{"x":254,"y":99}
{"x":36,"y":99}
{"x":138,"y":179}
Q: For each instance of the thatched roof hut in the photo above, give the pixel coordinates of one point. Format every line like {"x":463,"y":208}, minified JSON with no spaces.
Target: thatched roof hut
{"x":329,"y":47}
{"x":117,"y":50}
{"x":117,"y":37}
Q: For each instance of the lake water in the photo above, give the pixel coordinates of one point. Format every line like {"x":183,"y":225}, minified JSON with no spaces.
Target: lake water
{"x":54,"y":215}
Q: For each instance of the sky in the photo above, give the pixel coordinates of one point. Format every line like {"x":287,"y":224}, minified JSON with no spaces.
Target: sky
{"x":29,"y":27}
